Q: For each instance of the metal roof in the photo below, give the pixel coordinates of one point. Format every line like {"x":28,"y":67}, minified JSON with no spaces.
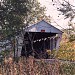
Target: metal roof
{"x":43,"y":25}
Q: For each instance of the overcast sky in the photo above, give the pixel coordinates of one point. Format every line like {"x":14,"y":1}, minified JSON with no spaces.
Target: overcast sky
{"x":52,"y":11}
{"x":56,"y":19}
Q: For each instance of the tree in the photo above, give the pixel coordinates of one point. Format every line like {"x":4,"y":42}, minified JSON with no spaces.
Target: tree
{"x":15,"y":15}
{"x":67,"y":9}
{"x":11,"y":16}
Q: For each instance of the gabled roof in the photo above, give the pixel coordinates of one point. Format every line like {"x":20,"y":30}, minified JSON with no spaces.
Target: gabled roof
{"x":43,"y":25}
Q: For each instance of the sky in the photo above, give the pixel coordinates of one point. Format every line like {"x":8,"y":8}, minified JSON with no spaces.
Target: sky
{"x":56,"y":19}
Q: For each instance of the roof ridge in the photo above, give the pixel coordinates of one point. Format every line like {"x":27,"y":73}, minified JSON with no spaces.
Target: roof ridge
{"x":47,"y":23}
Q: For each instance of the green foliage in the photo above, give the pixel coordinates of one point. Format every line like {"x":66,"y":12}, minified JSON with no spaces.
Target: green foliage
{"x":72,"y":38}
{"x":14,"y":13}
{"x":67,"y":69}
{"x":5,"y":53}
{"x":11,"y":17}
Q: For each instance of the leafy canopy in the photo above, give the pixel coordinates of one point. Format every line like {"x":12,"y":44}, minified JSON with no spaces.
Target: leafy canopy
{"x":16,"y":14}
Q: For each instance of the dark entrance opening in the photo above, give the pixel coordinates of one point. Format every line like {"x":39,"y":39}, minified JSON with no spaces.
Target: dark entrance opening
{"x":36,"y":43}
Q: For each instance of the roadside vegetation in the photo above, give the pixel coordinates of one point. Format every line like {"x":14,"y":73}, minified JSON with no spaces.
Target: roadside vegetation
{"x":15,"y":16}
{"x":62,"y":61}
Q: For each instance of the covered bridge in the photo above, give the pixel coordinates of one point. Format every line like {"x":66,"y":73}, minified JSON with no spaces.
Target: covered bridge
{"x":39,"y":38}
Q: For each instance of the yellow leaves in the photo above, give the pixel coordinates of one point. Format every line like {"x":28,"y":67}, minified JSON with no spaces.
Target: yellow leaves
{"x":49,"y":52}
{"x":67,"y":51}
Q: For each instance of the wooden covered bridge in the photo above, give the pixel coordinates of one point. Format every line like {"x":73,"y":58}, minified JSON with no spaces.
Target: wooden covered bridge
{"x":39,"y":38}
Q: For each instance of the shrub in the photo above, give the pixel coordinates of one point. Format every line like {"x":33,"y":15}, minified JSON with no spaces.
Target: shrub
{"x":72,"y":38}
{"x":67,"y":69}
